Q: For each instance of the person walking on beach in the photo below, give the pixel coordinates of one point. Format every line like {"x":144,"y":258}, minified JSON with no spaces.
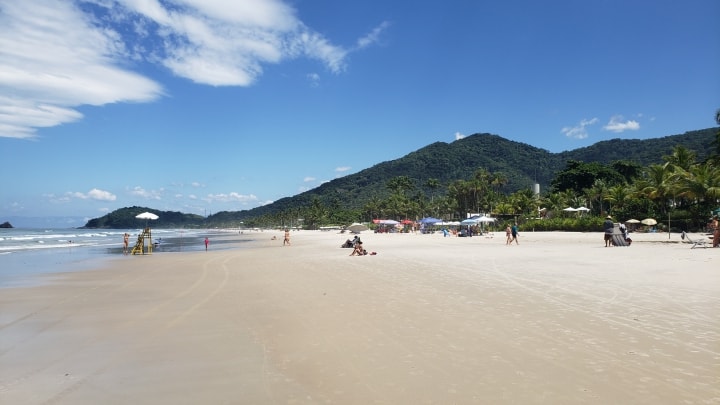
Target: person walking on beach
{"x":608,"y":227}
{"x":508,"y":235}
{"x":286,"y":240}
{"x":514,"y":233}
{"x":126,"y":238}
{"x":207,"y":242}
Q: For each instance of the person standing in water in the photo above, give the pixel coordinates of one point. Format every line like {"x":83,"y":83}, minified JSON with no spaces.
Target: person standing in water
{"x":126,"y":238}
{"x":207,"y":242}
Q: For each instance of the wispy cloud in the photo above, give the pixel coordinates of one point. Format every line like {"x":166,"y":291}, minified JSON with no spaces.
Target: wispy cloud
{"x":52,"y":59}
{"x":579,"y":131}
{"x":94,"y":194}
{"x":147,"y":194}
{"x":309,"y":179}
{"x":459,"y":136}
{"x":372,"y":37}
{"x":313,"y":79}
{"x":231,"y":197}
{"x":342,"y":169}
{"x":56,"y":56}
{"x":619,"y":124}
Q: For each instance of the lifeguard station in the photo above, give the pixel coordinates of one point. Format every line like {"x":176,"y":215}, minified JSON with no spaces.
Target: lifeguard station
{"x":140,"y":244}
{"x":145,"y":235}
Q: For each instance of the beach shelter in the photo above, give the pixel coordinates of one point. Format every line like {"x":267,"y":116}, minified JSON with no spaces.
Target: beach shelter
{"x":145,"y":234}
{"x":430,"y":221}
{"x":470,"y":221}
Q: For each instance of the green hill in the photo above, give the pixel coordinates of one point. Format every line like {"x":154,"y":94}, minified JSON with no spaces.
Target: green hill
{"x":522,"y":165}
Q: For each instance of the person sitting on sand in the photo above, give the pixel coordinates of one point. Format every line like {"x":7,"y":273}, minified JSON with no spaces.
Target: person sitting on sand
{"x":358,"y":250}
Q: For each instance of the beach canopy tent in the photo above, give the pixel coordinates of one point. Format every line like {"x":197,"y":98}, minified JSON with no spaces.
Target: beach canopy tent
{"x":447,"y":223}
{"x":470,"y":221}
{"x":485,"y":218}
{"x":385,"y":222}
{"x":430,"y":221}
{"x":569,"y":209}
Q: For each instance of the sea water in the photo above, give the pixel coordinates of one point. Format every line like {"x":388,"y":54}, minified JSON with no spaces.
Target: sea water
{"x":25,"y":253}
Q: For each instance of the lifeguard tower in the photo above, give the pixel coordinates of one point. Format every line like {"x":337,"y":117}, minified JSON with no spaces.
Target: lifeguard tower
{"x":145,"y":235}
{"x":140,"y":244}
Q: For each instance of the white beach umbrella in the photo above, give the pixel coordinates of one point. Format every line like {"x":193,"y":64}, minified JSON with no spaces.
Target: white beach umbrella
{"x":649,"y":222}
{"x":357,"y":228}
{"x":147,"y":215}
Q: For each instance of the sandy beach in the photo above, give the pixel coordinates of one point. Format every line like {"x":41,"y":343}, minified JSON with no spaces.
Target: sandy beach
{"x":557,"y":319}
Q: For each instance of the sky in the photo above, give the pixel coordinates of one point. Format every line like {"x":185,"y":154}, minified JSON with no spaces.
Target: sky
{"x":201,"y":106}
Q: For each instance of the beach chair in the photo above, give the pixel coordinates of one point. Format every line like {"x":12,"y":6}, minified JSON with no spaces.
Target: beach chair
{"x":695,"y":243}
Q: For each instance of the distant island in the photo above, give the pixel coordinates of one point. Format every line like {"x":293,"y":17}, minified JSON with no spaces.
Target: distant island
{"x":6,"y":225}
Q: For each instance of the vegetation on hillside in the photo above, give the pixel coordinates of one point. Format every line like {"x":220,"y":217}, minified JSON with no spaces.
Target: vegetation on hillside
{"x":486,"y":173}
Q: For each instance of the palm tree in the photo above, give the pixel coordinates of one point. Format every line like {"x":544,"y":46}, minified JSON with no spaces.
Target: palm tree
{"x":617,"y":195}
{"x":701,"y":186}
{"x":657,"y":185}
{"x":681,"y":157}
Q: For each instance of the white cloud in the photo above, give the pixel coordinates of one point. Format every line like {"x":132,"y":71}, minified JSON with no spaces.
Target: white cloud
{"x":342,"y":169}
{"x":459,"y":136}
{"x":101,"y":195}
{"x":373,"y":36}
{"x":313,"y":79}
{"x":231,"y":197}
{"x":616,"y":124}
{"x":148,"y":194}
{"x":308,"y":179}
{"x":56,"y":56}
{"x":579,"y":131}
{"x":94,"y":194}
{"x":52,"y":59}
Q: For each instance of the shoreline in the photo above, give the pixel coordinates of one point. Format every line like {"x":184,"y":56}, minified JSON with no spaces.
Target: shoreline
{"x":558,"y":318}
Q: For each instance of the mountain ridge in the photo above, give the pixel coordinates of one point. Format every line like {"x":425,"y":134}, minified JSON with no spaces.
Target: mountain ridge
{"x":522,"y":164}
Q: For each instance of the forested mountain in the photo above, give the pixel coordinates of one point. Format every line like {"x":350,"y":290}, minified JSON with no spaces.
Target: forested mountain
{"x":124,"y":218}
{"x":521,"y":164}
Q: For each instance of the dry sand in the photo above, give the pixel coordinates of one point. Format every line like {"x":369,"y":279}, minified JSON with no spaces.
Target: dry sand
{"x":558,"y":319}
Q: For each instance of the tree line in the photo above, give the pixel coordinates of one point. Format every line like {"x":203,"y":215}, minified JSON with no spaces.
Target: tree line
{"x":681,"y":188}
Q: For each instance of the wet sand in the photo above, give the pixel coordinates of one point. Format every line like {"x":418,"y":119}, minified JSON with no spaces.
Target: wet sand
{"x":558,"y":319}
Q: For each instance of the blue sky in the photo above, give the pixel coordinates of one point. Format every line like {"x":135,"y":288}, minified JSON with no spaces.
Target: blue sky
{"x":202,"y":106}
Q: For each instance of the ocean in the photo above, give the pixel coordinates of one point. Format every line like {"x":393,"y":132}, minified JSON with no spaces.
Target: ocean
{"x":28,"y":253}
